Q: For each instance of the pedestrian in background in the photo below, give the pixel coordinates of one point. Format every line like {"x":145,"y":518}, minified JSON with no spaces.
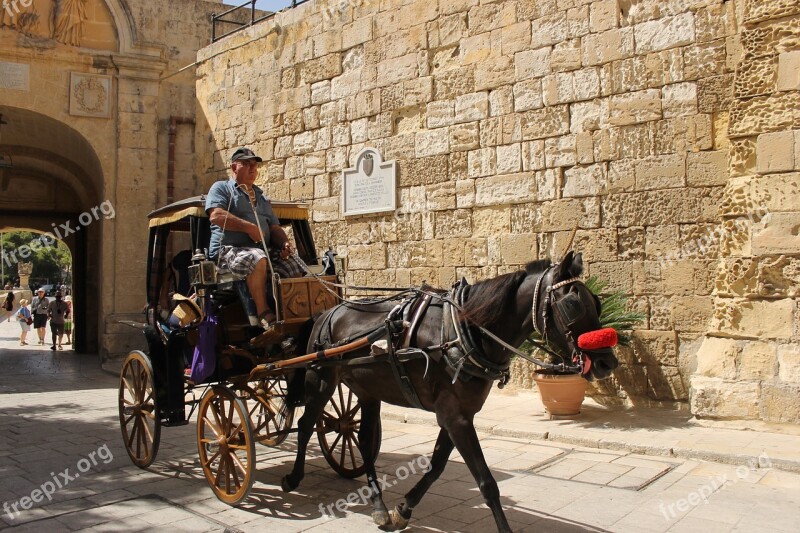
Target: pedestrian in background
{"x":68,"y":320}
{"x":57,"y":312}
{"x":39,"y":309}
{"x":8,"y":306}
{"x":25,"y":320}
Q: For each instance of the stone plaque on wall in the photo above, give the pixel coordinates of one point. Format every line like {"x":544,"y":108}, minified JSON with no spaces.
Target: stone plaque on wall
{"x":89,"y":95}
{"x":371,"y":186}
{"x":14,"y":76}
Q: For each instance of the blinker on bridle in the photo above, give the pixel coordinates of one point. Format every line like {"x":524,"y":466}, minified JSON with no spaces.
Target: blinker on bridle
{"x":577,"y":353}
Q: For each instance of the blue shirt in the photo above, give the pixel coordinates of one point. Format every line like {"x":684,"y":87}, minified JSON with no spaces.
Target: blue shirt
{"x":231,"y":197}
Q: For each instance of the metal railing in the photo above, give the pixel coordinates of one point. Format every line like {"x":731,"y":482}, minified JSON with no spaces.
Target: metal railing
{"x":243,"y":16}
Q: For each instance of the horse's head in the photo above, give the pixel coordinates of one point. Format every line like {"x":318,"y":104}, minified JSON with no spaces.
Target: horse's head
{"x":565,"y":309}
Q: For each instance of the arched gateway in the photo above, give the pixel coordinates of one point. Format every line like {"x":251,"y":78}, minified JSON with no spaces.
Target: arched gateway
{"x":54,"y":185}
{"x":99,"y":133}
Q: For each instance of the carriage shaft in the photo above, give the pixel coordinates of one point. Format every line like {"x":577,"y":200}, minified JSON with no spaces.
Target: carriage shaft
{"x":274,"y":368}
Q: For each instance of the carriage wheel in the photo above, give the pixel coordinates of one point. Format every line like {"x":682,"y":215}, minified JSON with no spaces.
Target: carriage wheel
{"x":337,"y":431}
{"x":225,"y":444}
{"x":270,"y":417}
{"x":138,"y":410}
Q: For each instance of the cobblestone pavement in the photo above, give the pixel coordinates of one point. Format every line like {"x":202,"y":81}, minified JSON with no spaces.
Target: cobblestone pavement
{"x":59,"y":432}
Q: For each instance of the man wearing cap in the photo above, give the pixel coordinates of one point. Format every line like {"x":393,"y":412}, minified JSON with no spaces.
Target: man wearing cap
{"x":242,"y":225}
{"x":39,"y":307}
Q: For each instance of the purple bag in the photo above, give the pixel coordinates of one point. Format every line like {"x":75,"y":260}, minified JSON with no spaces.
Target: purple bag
{"x":205,"y":356}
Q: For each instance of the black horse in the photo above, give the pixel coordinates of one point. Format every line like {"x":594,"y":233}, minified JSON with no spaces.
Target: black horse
{"x":506,"y":306}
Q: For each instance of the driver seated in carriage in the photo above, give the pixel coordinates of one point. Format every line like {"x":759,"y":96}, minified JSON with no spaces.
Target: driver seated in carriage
{"x":246,"y":236}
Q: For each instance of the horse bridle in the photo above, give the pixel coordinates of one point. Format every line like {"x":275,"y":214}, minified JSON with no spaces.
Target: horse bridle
{"x":578,"y":356}
{"x":547,"y":300}
{"x":577,"y":365}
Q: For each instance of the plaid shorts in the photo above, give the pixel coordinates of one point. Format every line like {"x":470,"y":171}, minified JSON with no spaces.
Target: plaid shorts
{"x":242,"y":261}
{"x":286,"y":268}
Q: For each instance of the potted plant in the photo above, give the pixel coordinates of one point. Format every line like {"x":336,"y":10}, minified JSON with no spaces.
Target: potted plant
{"x":563,"y":392}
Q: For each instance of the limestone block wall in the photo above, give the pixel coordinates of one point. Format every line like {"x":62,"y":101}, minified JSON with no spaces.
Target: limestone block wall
{"x":512,"y":122}
{"x":749,"y":364}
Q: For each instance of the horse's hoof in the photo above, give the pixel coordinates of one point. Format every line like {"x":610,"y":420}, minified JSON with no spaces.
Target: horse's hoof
{"x":287,"y":485}
{"x":397,"y":519}
{"x":381,"y":518}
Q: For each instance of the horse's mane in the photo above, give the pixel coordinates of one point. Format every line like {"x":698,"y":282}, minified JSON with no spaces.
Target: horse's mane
{"x":488,"y":301}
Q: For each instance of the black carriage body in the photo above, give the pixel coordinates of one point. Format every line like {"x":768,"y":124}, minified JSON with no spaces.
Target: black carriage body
{"x":171,"y":351}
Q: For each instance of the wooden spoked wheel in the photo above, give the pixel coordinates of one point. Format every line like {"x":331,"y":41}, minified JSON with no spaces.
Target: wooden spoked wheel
{"x":138,"y":410}
{"x":337,"y":431}
{"x":270,"y":417}
{"x":225,"y":444}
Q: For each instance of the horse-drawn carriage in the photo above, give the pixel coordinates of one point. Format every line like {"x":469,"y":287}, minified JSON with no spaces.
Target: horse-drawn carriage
{"x":237,"y":404}
{"x":425,"y":348}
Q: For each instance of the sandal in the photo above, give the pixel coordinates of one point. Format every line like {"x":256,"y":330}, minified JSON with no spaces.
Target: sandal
{"x":266,"y":320}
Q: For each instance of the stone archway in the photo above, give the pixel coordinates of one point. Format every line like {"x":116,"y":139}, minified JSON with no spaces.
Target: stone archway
{"x":55,"y":185}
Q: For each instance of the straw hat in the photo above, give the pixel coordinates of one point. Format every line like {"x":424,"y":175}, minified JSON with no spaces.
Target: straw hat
{"x":23,"y":302}
{"x":186,"y":310}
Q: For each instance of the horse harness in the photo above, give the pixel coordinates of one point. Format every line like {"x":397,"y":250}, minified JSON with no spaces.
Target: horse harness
{"x":462,"y":353}
{"x":458,"y":347}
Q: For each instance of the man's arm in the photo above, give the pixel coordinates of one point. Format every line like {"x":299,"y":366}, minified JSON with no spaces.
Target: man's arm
{"x":224,"y":219}
{"x":279,"y":240}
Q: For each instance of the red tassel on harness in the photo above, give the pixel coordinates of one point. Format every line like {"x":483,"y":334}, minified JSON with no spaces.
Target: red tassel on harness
{"x":597,"y":339}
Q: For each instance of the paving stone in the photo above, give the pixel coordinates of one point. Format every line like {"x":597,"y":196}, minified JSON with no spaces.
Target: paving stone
{"x":83,"y":417}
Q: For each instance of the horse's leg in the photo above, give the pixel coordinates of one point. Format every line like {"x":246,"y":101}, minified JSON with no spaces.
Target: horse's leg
{"x":367,"y":433}
{"x":325,"y":386}
{"x":462,"y":431}
{"x":441,"y":452}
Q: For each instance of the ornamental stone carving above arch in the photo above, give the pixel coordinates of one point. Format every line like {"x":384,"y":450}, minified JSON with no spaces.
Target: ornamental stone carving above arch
{"x":89,"y":95}
{"x":45,"y":23}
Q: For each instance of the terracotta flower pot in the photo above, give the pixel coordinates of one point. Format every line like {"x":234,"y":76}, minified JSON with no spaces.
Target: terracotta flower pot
{"x":562,"y":394}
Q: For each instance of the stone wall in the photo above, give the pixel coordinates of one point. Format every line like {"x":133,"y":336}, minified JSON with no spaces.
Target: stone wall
{"x":749,"y":364}
{"x":514,"y":121}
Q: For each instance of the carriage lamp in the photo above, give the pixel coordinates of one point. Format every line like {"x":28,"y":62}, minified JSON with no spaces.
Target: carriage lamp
{"x":202,"y":272}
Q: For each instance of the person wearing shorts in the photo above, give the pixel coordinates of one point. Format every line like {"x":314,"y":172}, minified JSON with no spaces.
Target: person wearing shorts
{"x":243,"y":225}
{"x":39,"y":309}
{"x":23,"y":316}
{"x":57,"y":311}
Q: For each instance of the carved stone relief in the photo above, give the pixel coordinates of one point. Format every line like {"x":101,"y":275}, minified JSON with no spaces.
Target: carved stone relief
{"x":69,"y":18}
{"x":60,"y":20}
{"x":89,"y":95}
